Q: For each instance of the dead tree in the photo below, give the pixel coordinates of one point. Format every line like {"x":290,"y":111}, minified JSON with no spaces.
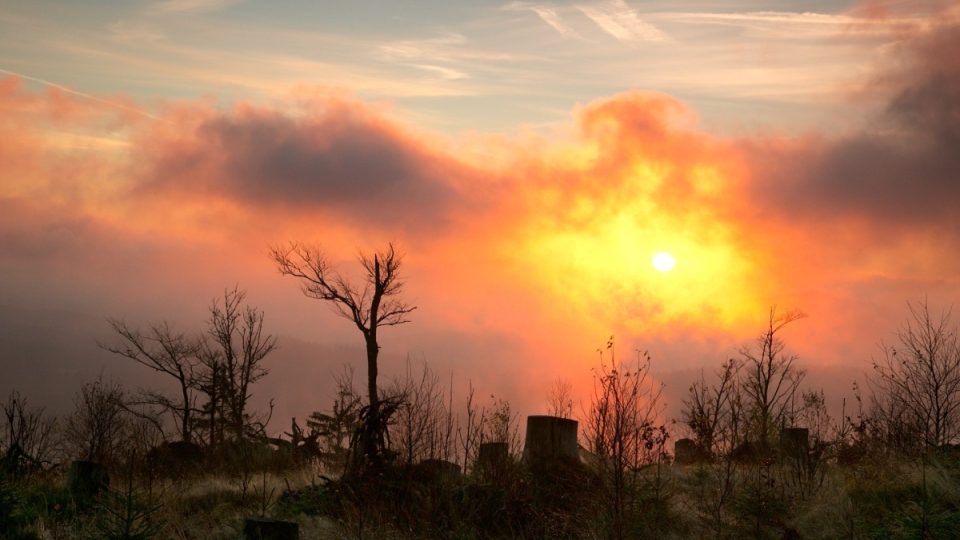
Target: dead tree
{"x":920,"y":377}
{"x":235,"y":361}
{"x":220,"y":365}
{"x":172,"y":353}
{"x":370,"y":306}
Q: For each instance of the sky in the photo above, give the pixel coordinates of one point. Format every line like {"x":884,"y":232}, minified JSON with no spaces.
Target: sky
{"x":529,"y":158}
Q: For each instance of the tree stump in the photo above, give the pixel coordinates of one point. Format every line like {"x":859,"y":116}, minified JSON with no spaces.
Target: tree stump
{"x":492,"y":459}
{"x":685,"y":452}
{"x":550,"y":437}
{"x":794,"y":442}
{"x":173,"y":459}
{"x":85,"y":481}
{"x":438,"y":471}
{"x":270,"y":529}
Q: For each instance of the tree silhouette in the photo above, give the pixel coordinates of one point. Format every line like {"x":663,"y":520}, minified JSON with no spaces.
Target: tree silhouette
{"x":771,"y":378}
{"x":707,"y":410}
{"x":166,"y":351}
{"x":235,"y":361}
{"x":221,"y":365}
{"x":26,"y":436}
{"x":920,"y":377}
{"x":371,"y":306}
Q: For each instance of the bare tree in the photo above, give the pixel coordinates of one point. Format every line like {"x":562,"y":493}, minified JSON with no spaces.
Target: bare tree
{"x":815,"y":416}
{"x":423,"y":427}
{"x":235,"y":361}
{"x":26,"y":439}
{"x":166,"y":351}
{"x":470,"y":430}
{"x":502,"y":424}
{"x":707,"y":409}
{"x":804,"y":471}
{"x":621,"y":430}
{"x":209,"y":381}
{"x":221,"y":365}
{"x":770,"y":378}
{"x":919,"y":379}
{"x":559,"y":400}
{"x":713,"y":412}
{"x":333,"y":428}
{"x":370,"y":306}
{"x":97,"y":429}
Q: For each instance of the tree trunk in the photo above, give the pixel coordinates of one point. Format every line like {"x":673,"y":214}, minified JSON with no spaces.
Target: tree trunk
{"x":371,"y":435}
{"x":186,"y":428}
{"x":373,"y":351}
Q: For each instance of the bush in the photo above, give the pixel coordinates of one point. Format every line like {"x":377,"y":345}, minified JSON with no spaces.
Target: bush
{"x":908,"y":507}
{"x":15,"y":513}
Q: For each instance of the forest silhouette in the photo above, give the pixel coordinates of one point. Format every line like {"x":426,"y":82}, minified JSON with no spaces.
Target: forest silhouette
{"x":754,"y":453}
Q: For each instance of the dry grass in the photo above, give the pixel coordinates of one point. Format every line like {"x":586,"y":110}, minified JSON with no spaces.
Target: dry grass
{"x":880,"y":499}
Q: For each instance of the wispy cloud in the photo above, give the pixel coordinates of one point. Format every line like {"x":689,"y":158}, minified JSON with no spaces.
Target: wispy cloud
{"x":550,"y":16}
{"x":622,"y":22}
{"x":135,"y":32}
{"x":78,"y":93}
{"x":449,"y":56}
{"x":443,"y":72}
{"x":547,"y":14}
{"x":191,"y":6}
{"x":805,"y":24}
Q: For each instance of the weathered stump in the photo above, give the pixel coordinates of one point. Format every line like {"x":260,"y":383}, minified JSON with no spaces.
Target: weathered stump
{"x":550,"y":437}
{"x":175,"y":458}
{"x":492,"y":459}
{"x":794,"y":442}
{"x":685,"y":452}
{"x":270,"y":529}
{"x":85,"y":481}
{"x":438,"y":471}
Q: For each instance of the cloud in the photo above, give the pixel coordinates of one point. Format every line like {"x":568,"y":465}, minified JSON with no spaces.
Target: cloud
{"x":899,"y":171}
{"x":541,"y":244}
{"x":552,"y":18}
{"x":807,"y":24}
{"x":622,"y":22}
{"x":191,"y":6}
{"x":112,"y":103}
{"x":341,"y":157}
{"x":548,"y":14}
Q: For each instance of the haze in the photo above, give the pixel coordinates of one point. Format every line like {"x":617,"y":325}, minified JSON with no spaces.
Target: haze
{"x":529,"y":158}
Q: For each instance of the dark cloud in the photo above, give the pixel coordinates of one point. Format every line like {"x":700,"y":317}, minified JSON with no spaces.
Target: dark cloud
{"x":343,"y":160}
{"x":903,"y":171}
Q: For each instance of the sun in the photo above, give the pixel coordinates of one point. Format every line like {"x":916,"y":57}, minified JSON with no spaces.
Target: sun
{"x":663,"y":261}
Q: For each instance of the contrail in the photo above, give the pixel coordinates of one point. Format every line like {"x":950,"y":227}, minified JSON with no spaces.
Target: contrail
{"x":82,"y":94}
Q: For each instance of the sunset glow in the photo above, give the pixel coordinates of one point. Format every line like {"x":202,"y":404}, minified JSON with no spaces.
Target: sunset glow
{"x":552,"y":176}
